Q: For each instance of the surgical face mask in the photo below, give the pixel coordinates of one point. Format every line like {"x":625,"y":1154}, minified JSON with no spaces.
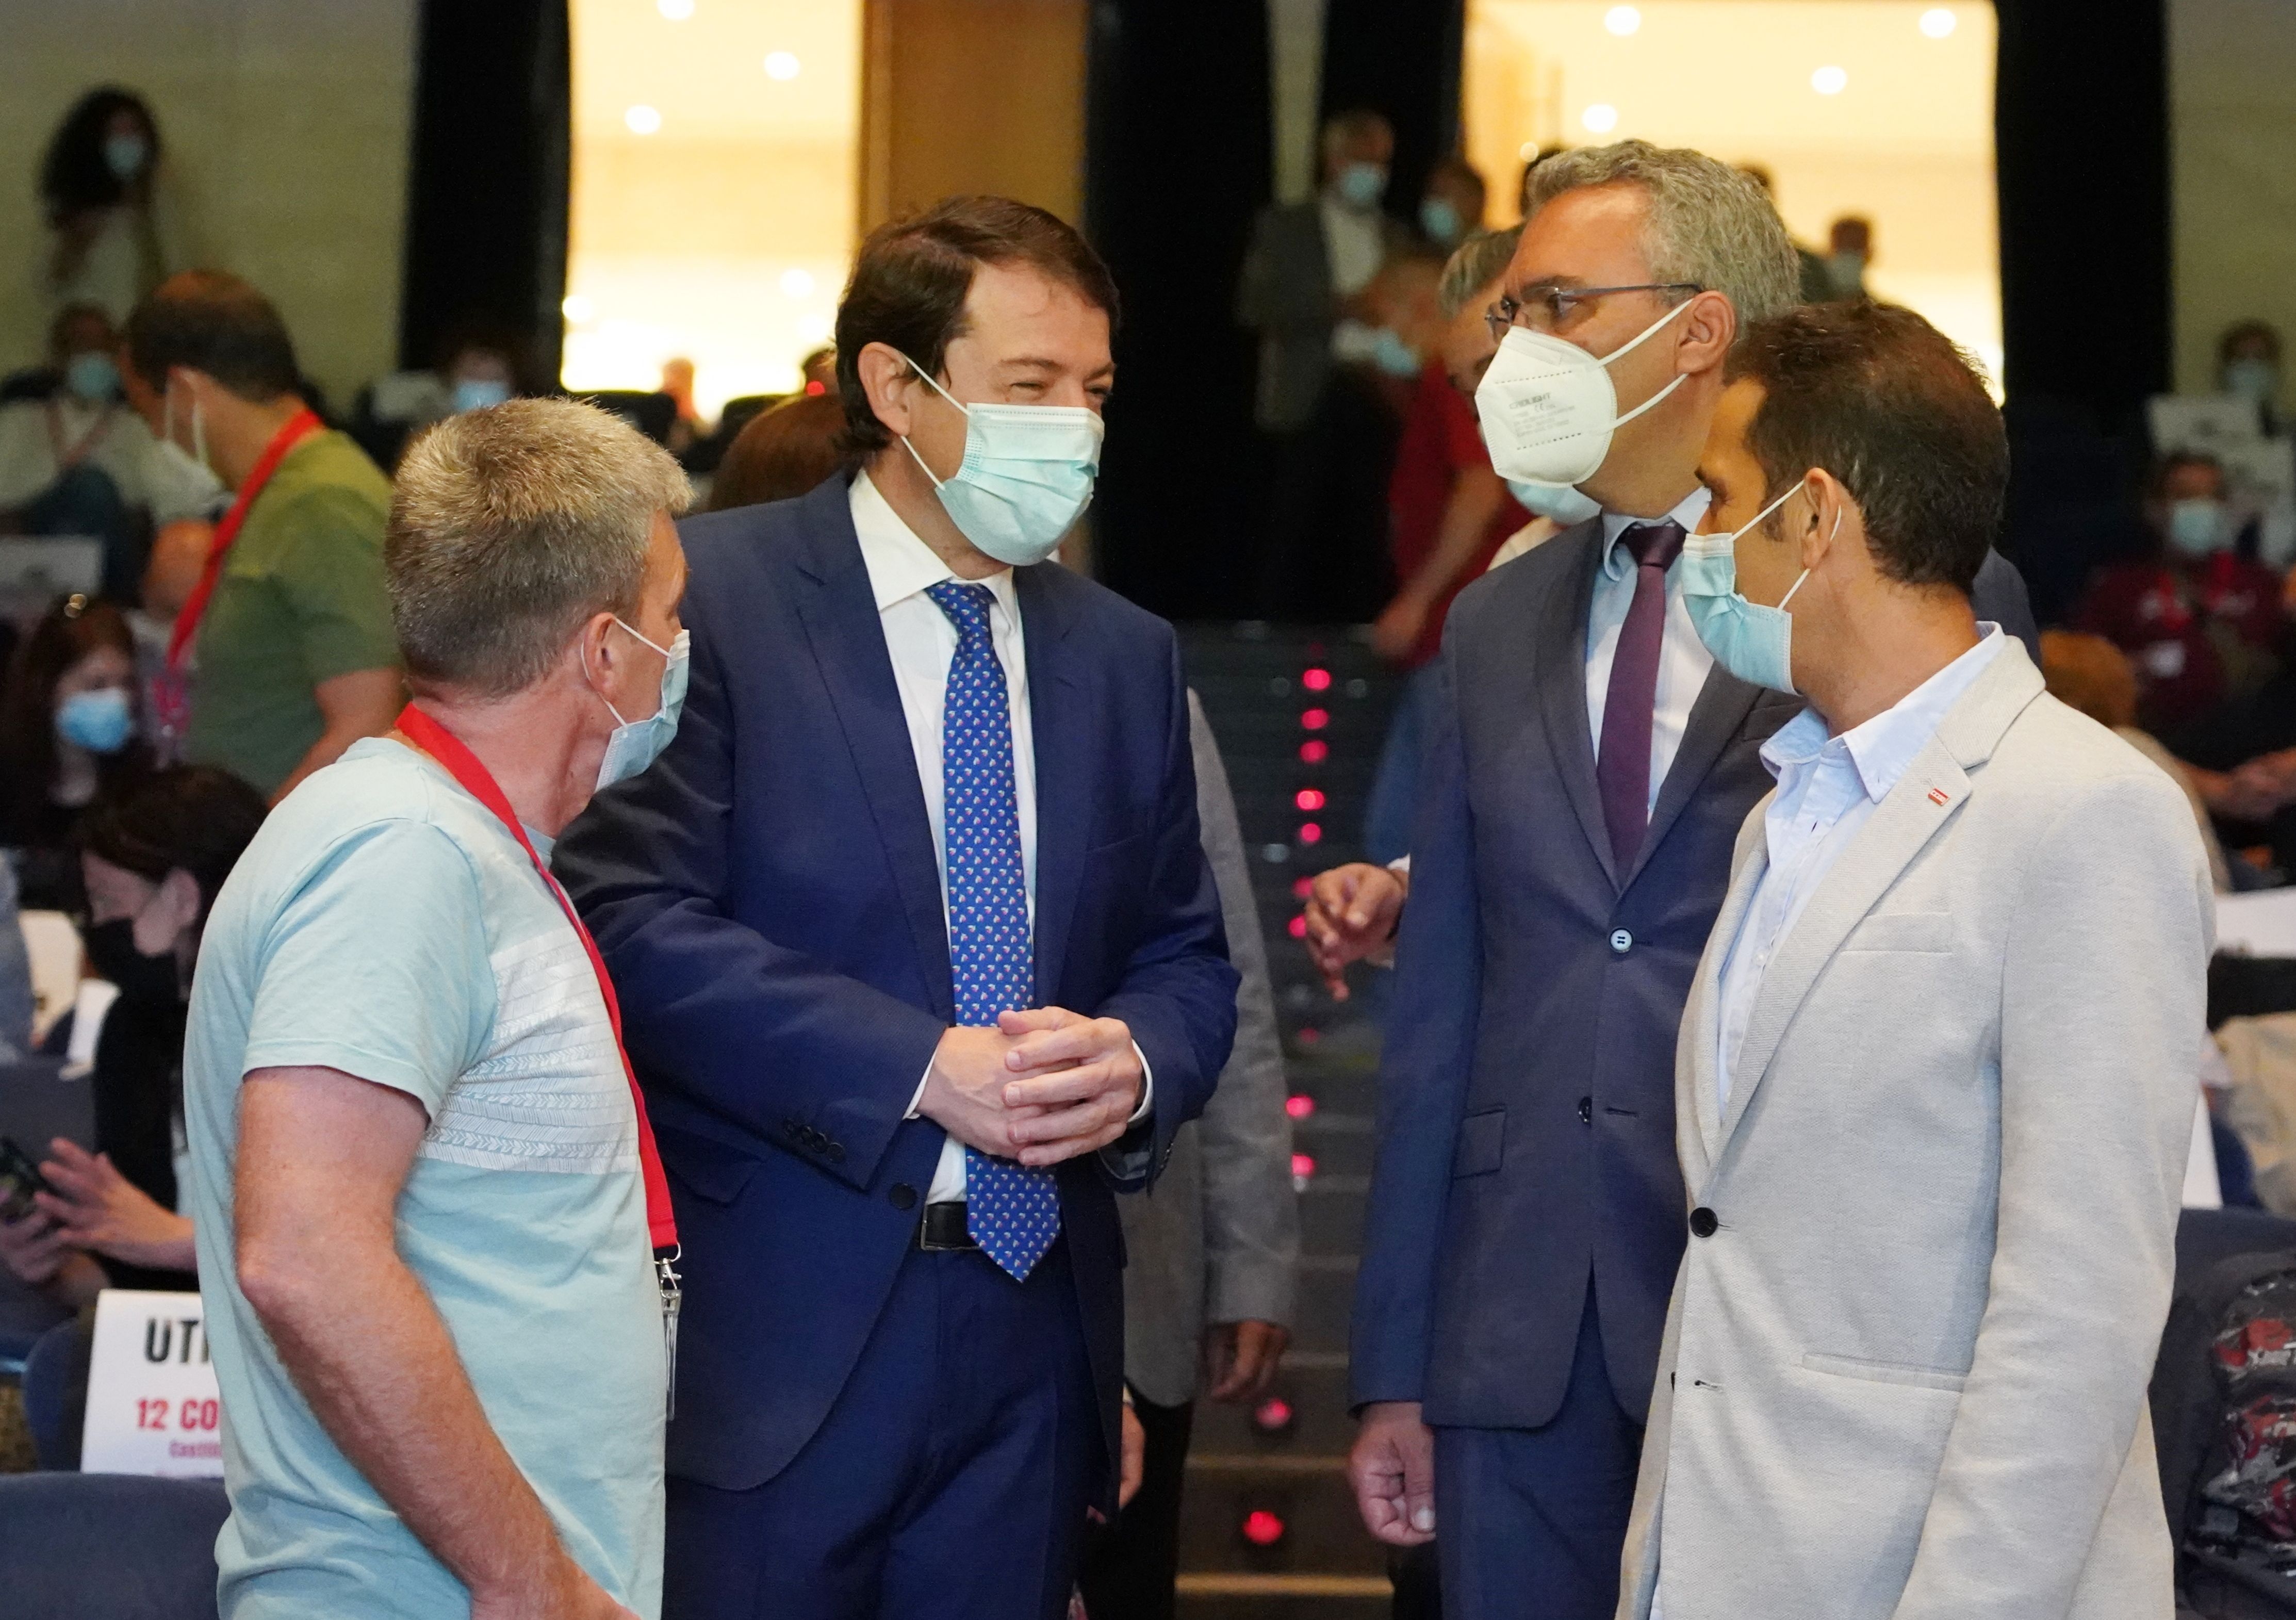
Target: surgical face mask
{"x":1392,"y":355}
{"x":1026,"y":478}
{"x":2253,"y":378}
{"x":635,"y":745}
{"x":1752,"y":642}
{"x":91,"y":376}
{"x":1559,"y":502}
{"x":100,"y":721}
{"x":476,"y":393}
{"x":1441,"y":221}
{"x":1549,"y":408}
{"x":124,"y":155}
{"x":186,"y":486}
{"x":1361,"y":186}
{"x":2196,"y":527}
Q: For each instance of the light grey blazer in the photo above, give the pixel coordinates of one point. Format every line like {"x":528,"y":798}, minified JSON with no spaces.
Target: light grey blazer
{"x":1217,"y":1239}
{"x":1905,"y":1374}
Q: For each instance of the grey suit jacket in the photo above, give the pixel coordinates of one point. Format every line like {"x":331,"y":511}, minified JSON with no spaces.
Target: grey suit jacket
{"x":1218,"y":1238}
{"x":1285,"y":295}
{"x":1905,"y":1364}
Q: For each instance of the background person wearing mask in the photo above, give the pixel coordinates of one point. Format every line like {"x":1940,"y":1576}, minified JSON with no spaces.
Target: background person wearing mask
{"x":424,"y":1195}
{"x":1850,"y":252}
{"x":109,"y":239}
{"x":2204,"y":625}
{"x":2248,"y":367}
{"x":1452,"y":210}
{"x":70,"y":724}
{"x":1935,"y":1077}
{"x":926,"y":781}
{"x":292,"y":641}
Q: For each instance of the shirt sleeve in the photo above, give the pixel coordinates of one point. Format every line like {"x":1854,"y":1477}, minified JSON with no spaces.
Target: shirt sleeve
{"x":378,"y":965}
{"x":330,"y":571}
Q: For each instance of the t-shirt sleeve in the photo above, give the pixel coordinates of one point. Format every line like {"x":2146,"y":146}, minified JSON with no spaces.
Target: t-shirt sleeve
{"x":378,"y":965}
{"x":330,"y":571}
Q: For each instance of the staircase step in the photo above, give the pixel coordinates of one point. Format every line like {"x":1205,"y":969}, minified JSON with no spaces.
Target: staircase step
{"x":1317,"y":1395}
{"x":1322,"y":1534}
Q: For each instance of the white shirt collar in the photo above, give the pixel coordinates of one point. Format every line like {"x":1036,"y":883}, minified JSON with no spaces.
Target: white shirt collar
{"x":901,"y":565}
{"x":1884,"y":748}
{"x":1689,"y":512}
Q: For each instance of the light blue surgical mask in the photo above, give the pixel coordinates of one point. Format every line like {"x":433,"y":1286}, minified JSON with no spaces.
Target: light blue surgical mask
{"x":1754,"y":642}
{"x":635,"y":745}
{"x":1441,"y":222}
{"x":1392,"y":355}
{"x":1361,"y":186}
{"x":100,"y":721}
{"x":2253,"y":378}
{"x":91,"y":376}
{"x":476,"y":393}
{"x":2196,"y":527}
{"x":1560,"y":502}
{"x":1026,"y":478}
{"x":125,"y":155}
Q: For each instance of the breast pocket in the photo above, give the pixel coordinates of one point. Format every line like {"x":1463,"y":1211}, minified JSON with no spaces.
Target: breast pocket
{"x":1482,"y":1144}
{"x":1922,"y":932}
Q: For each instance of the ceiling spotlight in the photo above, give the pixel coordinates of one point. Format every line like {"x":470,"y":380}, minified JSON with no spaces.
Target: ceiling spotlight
{"x":1622,"y":19}
{"x":1599,"y":118}
{"x":1938,"y":22}
{"x":1830,"y":81}
{"x":781,"y":65}
{"x":796,"y":282}
{"x":677,"y":10}
{"x":643,"y":119}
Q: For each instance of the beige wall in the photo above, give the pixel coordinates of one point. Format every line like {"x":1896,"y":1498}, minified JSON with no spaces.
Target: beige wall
{"x":286,"y":125}
{"x":2232,"y":79}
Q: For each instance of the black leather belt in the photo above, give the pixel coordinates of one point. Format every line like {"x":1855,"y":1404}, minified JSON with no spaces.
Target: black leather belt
{"x":944,"y":1229}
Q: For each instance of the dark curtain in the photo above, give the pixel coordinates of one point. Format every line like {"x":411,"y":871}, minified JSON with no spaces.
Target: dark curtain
{"x":1177,"y":164}
{"x":487,"y":182}
{"x":2081,"y":133}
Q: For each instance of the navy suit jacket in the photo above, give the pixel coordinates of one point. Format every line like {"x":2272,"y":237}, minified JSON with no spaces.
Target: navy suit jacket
{"x":769,"y":902}
{"x":1526,"y":1117}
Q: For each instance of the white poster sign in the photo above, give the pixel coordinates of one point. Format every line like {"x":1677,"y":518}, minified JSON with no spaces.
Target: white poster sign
{"x":152,"y":1403}
{"x":2201,"y":424}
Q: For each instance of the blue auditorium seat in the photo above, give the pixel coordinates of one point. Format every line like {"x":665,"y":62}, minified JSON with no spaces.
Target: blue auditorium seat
{"x":115,"y":1545}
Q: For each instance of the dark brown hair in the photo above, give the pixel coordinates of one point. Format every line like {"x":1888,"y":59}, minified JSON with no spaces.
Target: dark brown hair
{"x":1884,"y":401}
{"x":910,"y":280}
{"x":212,"y":321}
{"x":781,"y":454}
{"x":193,"y":818}
{"x":67,"y":633}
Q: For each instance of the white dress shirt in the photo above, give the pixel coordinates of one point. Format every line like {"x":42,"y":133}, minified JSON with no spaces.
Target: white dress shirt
{"x":922,"y":641}
{"x":1828,"y":787}
{"x":1355,"y":244}
{"x":1683,"y":660}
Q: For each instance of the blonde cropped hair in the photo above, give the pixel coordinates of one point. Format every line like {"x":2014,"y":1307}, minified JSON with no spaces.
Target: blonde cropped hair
{"x":508,"y":528}
{"x":1475,"y":264}
{"x":1708,"y":223}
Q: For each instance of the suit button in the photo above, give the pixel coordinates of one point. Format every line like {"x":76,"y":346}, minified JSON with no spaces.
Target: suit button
{"x":1586,"y":1110}
{"x":1622,"y":942}
{"x":1703,"y":1221}
{"x":837,"y":1153}
{"x":903,"y":1196}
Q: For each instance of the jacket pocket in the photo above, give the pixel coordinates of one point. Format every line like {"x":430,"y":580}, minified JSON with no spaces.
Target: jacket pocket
{"x":703,"y":1165}
{"x":1928,"y":933}
{"x":1882,"y":1372}
{"x":1482,"y":1143}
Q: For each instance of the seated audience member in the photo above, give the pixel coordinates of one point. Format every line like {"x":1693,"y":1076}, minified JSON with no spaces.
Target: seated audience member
{"x":1935,"y":1075}
{"x":2090,"y":674}
{"x":2248,"y":367}
{"x":2204,"y":625}
{"x":425,"y":1197}
{"x":110,"y":230}
{"x":79,"y":462}
{"x":154,"y":857}
{"x":293,"y":643}
{"x":781,"y":454}
{"x":70,"y":729}
{"x":1453,"y":207}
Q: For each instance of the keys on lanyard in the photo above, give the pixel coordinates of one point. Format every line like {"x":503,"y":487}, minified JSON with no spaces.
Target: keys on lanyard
{"x":672,"y":1298}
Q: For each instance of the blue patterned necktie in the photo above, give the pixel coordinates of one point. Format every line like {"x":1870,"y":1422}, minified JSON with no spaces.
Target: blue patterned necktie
{"x":1013,"y":1213}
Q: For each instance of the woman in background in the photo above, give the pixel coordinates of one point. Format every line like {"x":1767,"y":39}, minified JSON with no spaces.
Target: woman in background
{"x":70,"y":720}
{"x":108,"y":243}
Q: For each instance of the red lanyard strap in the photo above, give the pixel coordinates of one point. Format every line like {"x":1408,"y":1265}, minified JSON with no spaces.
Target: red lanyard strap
{"x":479,"y":782}
{"x":296,"y":429}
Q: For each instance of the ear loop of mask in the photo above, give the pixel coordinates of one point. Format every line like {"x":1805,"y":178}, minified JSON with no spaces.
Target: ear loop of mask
{"x":603,"y":698}
{"x":1804,"y":580}
{"x":1635,"y":343}
{"x":944,"y":393}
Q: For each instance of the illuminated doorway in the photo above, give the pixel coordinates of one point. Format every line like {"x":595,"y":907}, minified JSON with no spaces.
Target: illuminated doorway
{"x":714,"y":147}
{"x":1880,"y":108}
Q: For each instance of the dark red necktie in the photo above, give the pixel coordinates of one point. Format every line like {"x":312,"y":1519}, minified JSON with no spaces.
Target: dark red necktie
{"x":1622,"y":768}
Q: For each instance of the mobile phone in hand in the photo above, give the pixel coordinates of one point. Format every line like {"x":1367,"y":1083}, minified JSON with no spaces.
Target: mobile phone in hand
{"x":20,"y":1179}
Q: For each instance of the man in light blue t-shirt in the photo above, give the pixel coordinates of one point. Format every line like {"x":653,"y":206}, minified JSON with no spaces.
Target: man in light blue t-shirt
{"x":420,"y":1182}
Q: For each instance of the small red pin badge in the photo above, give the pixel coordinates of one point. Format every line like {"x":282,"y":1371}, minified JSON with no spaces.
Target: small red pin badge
{"x":1937,"y":795}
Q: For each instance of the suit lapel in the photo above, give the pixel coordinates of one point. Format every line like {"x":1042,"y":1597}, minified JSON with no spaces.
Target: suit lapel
{"x":1720,"y":712}
{"x":1059,"y":716}
{"x":1703,"y":1015}
{"x":1560,"y":670}
{"x":842,"y":625}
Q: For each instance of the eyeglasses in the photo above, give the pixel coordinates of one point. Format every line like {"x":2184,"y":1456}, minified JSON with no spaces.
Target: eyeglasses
{"x":1544,"y":308}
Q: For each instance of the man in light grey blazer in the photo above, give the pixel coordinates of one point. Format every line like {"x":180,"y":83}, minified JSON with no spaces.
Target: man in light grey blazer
{"x":1934,"y":1079}
{"x":1213,"y":1249}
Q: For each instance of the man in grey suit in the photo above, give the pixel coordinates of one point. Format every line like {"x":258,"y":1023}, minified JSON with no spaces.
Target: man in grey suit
{"x":1214,"y":1250}
{"x":1934,"y":1082}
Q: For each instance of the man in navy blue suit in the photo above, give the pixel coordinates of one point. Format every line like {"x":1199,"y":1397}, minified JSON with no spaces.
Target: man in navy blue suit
{"x":920,"y":960}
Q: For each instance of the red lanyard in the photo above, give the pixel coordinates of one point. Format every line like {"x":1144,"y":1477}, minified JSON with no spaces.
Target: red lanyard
{"x":170,"y":690}
{"x":479,"y":782}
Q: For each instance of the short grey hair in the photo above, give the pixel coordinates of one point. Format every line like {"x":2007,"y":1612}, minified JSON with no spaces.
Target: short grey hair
{"x":1475,"y":264}
{"x":511,"y":526}
{"x":1708,"y":223}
